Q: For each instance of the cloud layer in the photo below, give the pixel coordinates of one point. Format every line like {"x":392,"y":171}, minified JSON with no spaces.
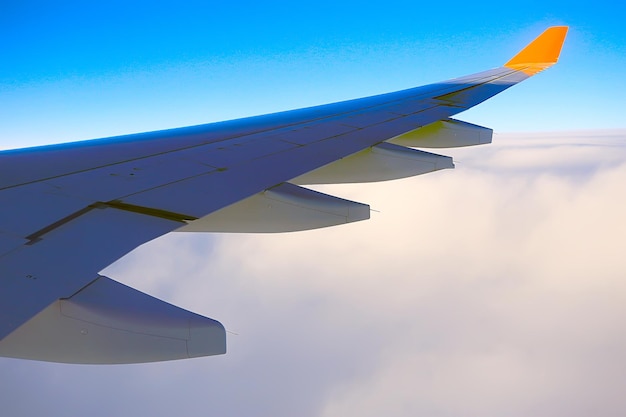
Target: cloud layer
{"x":494,"y":289}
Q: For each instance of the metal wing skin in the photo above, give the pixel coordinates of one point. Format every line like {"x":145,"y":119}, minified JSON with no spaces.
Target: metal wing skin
{"x":70,"y":210}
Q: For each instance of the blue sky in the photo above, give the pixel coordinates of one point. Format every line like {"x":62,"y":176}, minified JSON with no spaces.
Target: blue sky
{"x":78,"y":70}
{"x":493,"y":289}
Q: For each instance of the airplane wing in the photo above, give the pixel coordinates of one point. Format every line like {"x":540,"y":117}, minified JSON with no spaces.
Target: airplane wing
{"x":70,"y":210}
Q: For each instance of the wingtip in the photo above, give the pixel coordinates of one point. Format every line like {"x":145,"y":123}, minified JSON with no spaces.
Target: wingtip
{"x":541,"y":53}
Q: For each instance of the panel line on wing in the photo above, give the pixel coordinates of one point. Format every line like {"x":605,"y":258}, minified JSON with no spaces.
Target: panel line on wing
{"x":148,"y":211}
{"x":36,"y":237}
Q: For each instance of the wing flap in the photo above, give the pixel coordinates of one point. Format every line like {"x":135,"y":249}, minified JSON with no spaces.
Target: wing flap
{"x":59,"y":259}
{"x":284,"y":208}
{"x":382,"y":162}
{"x":446,"y":133}
{"x":107,"y":322}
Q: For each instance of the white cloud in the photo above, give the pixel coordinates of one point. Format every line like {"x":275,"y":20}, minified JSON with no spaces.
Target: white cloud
{"x":494,"y":289}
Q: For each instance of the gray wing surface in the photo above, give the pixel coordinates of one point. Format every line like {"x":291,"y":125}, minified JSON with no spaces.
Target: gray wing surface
{"x":70,"y":210}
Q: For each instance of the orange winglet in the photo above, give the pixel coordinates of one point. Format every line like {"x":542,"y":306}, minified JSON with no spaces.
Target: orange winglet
{"x":541,"y":53}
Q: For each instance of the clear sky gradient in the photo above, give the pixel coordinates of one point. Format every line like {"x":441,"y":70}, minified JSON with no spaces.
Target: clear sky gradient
{"x":494,"y":289}
{"x":77,"y":70}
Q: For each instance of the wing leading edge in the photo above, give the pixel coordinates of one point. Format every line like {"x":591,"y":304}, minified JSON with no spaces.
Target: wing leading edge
{"x":81,"y":206}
